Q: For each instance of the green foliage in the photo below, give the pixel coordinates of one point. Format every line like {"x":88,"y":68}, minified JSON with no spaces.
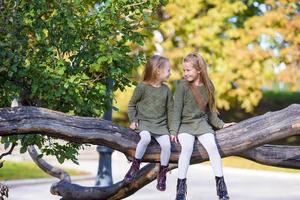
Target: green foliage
{"x":271,"y":101}
{"x":60,"y":55}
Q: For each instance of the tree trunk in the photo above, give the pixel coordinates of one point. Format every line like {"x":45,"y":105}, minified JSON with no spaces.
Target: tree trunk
{"x":245,"y":135}
{"x":246,"y":139}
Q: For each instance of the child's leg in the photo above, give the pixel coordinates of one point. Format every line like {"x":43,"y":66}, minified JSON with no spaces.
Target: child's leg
{"x":142,"y":145}
{"x":187,"y":145}
{"x":165,"y":145}
{"x":139,"y":153}
{"x":209,"y":143}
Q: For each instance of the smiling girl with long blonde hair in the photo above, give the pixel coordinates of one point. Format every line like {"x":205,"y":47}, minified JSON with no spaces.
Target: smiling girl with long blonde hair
{"x":195,"y":113}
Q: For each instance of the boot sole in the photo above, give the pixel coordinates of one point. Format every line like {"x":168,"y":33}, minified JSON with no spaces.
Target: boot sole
{"x":225,"y":198}
{"x":160,"y":189}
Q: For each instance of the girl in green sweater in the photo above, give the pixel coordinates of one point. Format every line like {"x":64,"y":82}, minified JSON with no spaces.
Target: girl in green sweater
{"x":150,"y":110}
{"x":194,"y":113}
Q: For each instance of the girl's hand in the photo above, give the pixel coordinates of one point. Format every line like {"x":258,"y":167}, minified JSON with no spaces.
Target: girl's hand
{"x":229,"y":124}
{"x":173,"y":138}
{"x":133,"y":125}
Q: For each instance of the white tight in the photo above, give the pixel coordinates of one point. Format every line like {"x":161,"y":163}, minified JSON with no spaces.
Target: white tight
{"x":187,"y":144}
{"x":164,"y":142}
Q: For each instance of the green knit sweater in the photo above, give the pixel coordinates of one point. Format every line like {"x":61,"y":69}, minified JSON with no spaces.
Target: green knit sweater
{"x":152,"y":108}
{"x":187,"y":117}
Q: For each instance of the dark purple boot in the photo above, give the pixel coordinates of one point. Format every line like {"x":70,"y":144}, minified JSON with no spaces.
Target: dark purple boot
{"x":221,"y":188}
{"x":181,"y":189}
{"x":135,"y":167}
{"x":161,"y":178}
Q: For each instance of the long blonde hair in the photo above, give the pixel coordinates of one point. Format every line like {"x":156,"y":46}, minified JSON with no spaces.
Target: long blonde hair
{"x":199,"y":63}
{"x":154,"y":63}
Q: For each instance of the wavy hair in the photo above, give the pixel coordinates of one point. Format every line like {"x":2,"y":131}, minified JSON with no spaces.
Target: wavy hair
{"x":199,"y":63}
{"x":153,"y":64}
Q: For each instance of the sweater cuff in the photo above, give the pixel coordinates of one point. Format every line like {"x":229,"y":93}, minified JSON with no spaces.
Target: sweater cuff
{"x":172,"y":132}
{"x":134,"y":120}
{"x":220,"y":124}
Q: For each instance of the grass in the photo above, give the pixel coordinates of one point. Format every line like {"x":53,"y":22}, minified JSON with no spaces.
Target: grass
{"x":238,"y":162}
{"x":28,"y":170}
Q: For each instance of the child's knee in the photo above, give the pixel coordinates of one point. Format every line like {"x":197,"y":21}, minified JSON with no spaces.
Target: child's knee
{"x":145,"y":140}
{"x":166,"y":146}
{"x":145,"y":137}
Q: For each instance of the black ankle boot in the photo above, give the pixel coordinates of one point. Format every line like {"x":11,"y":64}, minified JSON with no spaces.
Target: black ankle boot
{"x":181,"y":189}
{"x":135,"y":167}
{"x":221,"y":188}
{"x":161,"y":178}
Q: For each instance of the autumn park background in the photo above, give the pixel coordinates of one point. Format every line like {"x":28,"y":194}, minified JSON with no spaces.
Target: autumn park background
{"x":63,"y":55}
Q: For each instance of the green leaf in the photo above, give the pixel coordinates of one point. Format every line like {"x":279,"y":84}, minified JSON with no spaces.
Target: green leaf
{"x":23,"y":149}
{"x":6,"y":145}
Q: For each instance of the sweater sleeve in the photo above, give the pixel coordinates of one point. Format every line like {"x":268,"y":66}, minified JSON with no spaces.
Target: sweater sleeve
{"x":170,"y":109}
{"x":132,"y":105}
{"x":178,"y":107}
{"x":215,"y":120}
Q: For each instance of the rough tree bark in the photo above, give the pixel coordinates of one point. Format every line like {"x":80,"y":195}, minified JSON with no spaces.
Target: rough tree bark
{"x":46,"y":167}
{"x":246,"y":139}
{"x":274,"y":155}
{"x":116,"y":191}
{"x":3,"y":188}
{"x":3,"y":191}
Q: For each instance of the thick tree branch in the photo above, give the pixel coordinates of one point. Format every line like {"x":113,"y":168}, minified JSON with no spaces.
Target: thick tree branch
{"x":3,"y":191}
{"x":118,"y":190}
{"x":46,"y":167}
{"x":275,"y":155}
{"x":13,"y":145}
{"x":245,"y":135}
{"x":242,"y":139}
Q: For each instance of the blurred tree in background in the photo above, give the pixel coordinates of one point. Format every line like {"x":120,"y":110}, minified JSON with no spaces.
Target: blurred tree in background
{"x":60,"y":54}
{"x":251,"y":47}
